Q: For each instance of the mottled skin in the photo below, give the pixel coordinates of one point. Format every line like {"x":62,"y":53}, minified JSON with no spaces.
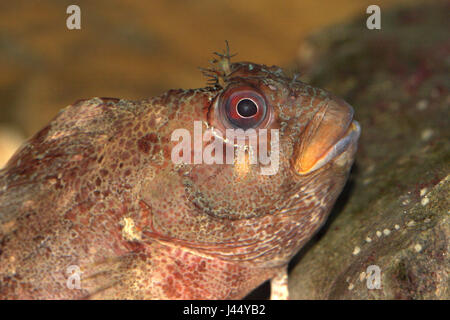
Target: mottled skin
{"x":97,"y":188}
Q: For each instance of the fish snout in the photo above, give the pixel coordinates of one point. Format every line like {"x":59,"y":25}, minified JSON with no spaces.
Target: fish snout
{"x":329,"y":133}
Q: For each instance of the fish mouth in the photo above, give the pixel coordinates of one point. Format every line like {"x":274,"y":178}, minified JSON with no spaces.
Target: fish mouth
{"x":331,"y":132}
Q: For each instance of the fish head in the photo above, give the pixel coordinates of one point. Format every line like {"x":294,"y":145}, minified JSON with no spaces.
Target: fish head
{"x":259,"y":160}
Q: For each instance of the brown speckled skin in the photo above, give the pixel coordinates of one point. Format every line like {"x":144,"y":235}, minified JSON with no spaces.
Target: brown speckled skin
{"x":198,"y":231}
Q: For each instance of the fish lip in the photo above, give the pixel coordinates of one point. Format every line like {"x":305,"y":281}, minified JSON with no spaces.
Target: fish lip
{"x":351,"y":134}
{"x":348,"y":138}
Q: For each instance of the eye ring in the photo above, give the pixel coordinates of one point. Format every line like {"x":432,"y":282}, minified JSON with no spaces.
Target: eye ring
{"x":251,"y":114}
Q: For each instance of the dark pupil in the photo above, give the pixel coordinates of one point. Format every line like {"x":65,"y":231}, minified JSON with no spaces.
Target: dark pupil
{"x":247,"y":108}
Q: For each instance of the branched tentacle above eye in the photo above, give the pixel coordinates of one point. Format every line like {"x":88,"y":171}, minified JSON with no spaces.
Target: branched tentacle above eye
{"x":220,"y":69}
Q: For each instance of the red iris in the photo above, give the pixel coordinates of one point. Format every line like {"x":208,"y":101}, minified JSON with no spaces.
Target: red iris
{"x":243,"y":107}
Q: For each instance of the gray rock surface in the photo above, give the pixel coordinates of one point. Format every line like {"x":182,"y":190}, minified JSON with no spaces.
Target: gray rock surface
{"x":394,"y":212}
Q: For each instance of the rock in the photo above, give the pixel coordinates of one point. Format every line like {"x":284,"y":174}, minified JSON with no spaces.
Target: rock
{"x":394,"y":212}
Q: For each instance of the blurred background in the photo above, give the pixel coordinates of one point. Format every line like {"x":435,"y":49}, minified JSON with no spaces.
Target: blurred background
{"x":136,"y":49}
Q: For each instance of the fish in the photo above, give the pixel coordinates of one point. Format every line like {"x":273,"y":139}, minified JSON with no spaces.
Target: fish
{"x":121,"y":199}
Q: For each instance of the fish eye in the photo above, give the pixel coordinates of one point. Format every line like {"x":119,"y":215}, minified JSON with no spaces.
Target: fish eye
{"x":243,"y":107}
{"x":247,"y":108}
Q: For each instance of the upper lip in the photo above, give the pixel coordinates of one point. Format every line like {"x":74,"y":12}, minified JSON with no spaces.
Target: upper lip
{"x":350,"y":137}
{"x":329,"y":133}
